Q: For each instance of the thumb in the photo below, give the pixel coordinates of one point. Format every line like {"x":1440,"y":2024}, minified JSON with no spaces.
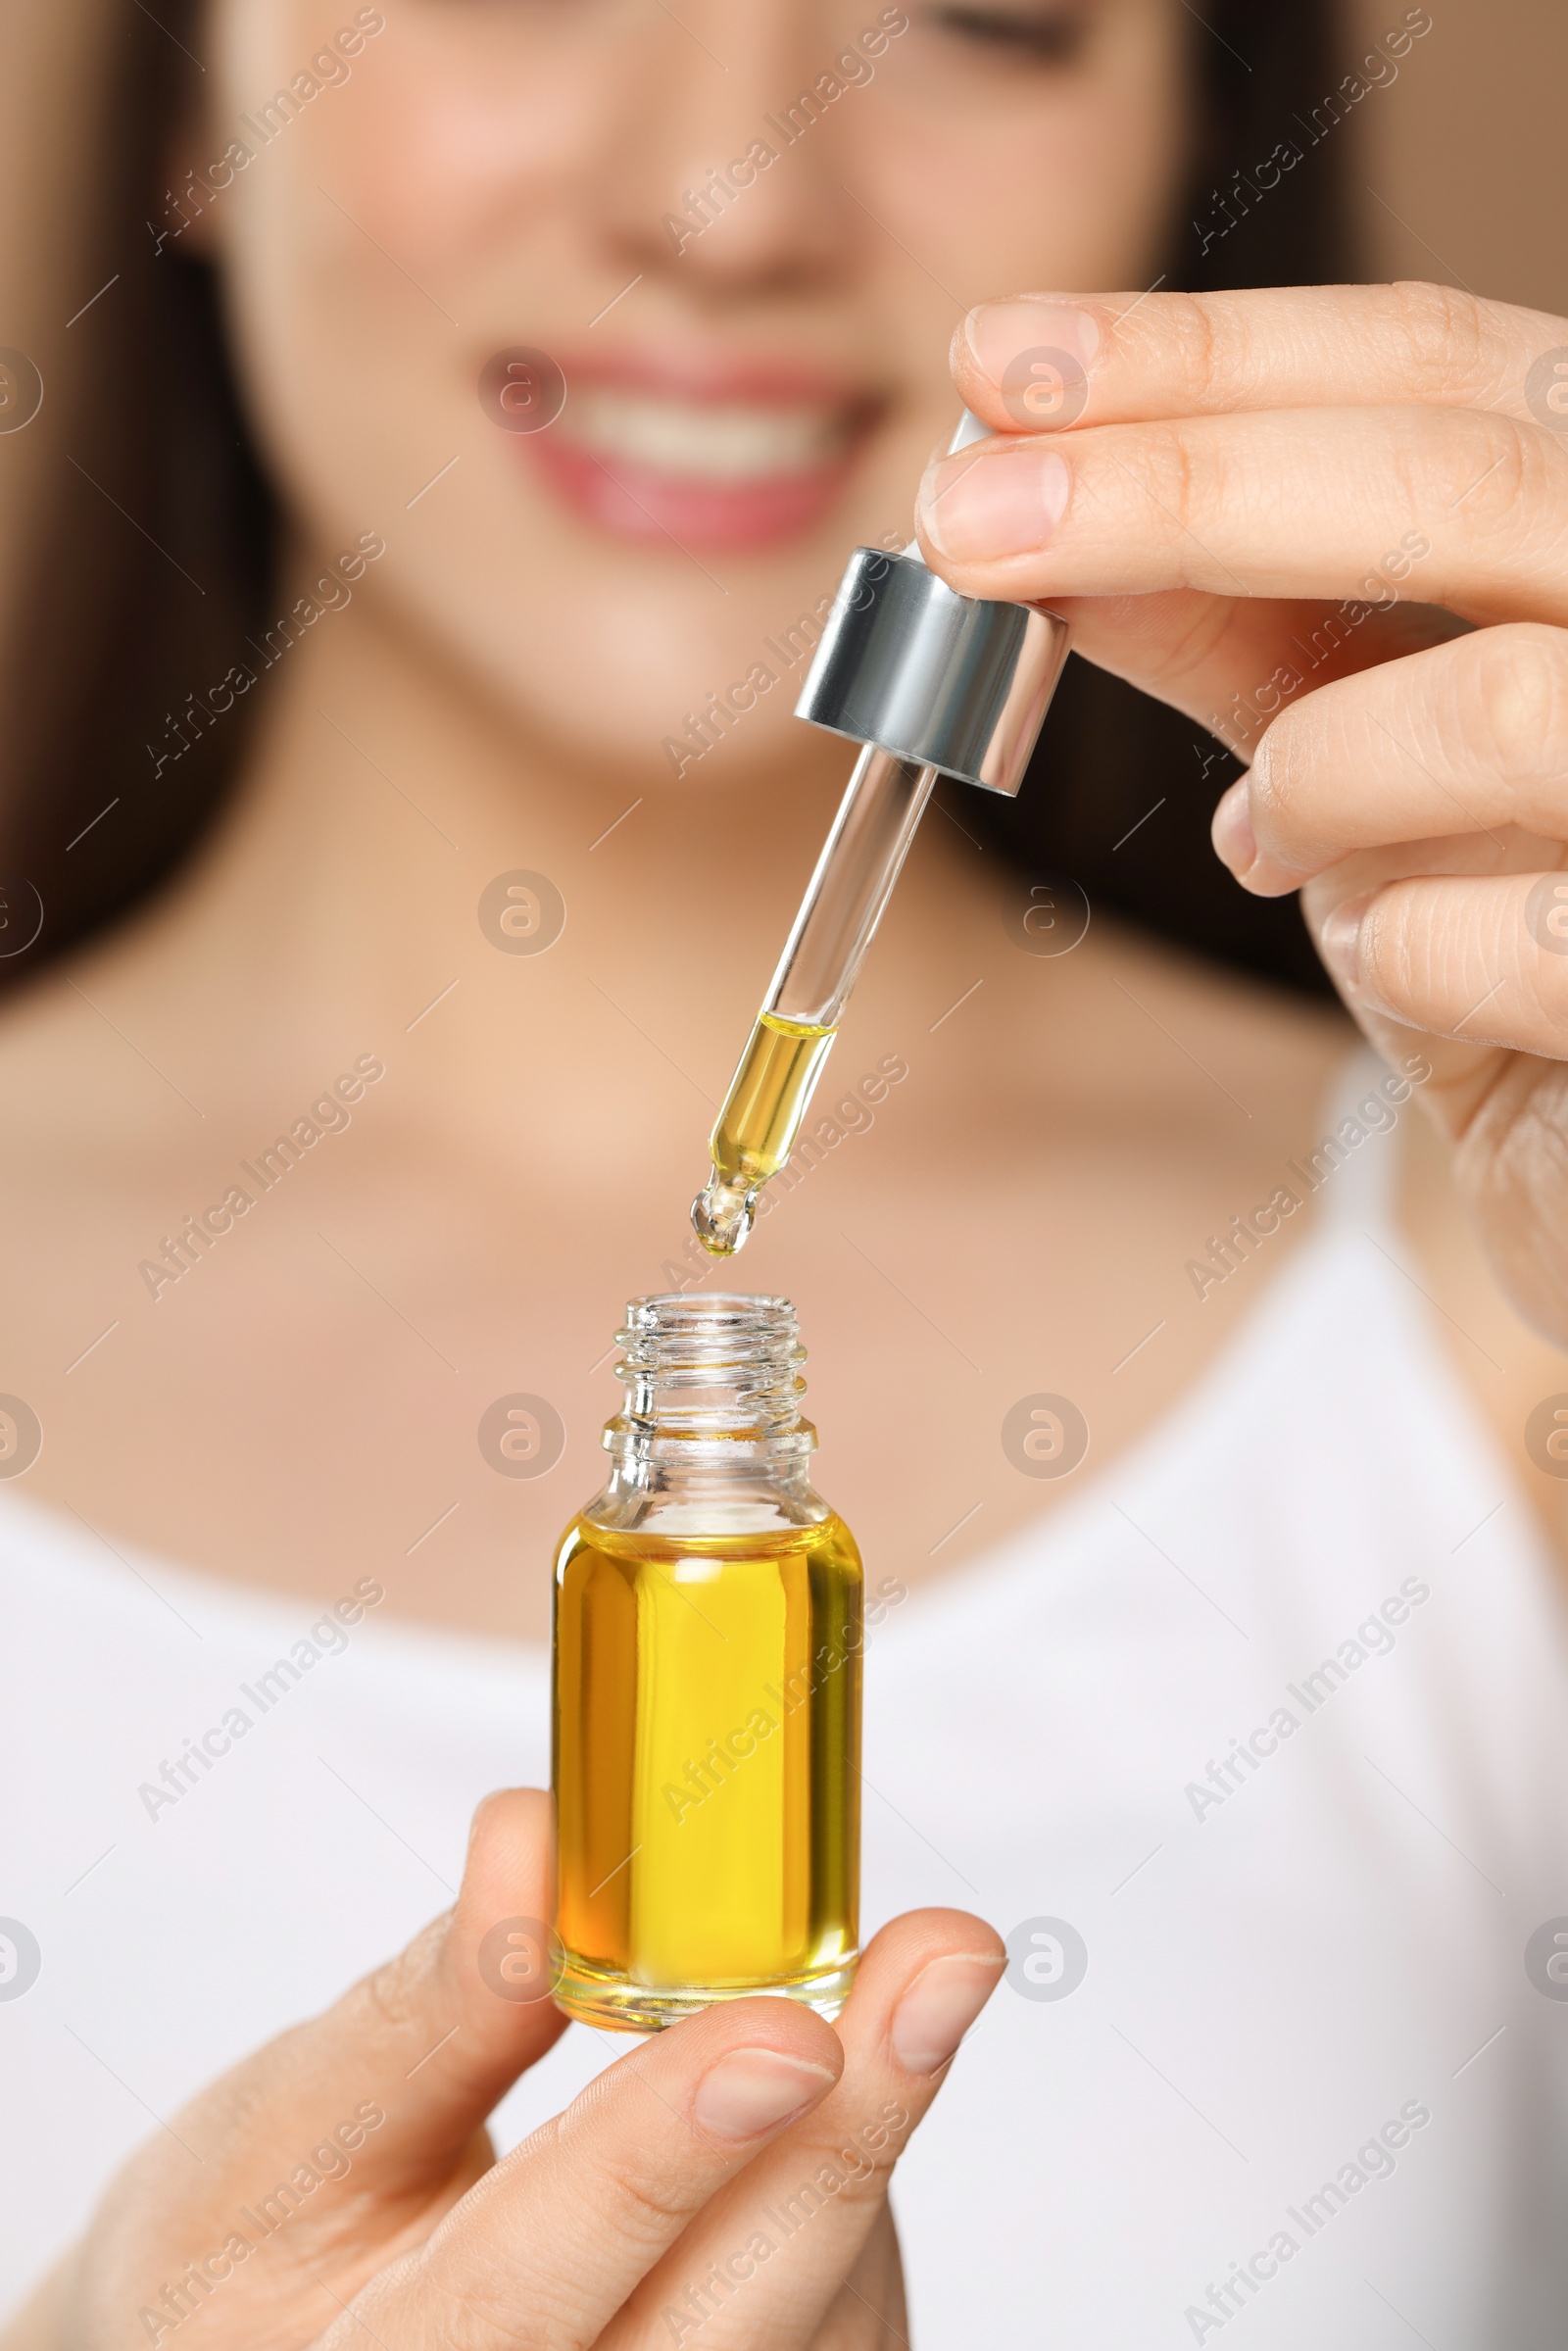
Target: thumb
{"x":345,"y":2139}
{"x":434,"y":2036}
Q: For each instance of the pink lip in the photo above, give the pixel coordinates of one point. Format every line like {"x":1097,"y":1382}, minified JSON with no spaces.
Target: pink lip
{"x":626,"y":500}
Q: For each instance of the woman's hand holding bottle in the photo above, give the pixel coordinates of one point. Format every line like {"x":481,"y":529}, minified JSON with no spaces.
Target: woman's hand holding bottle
{"x":726,"y":2182}
{"x":1227,"y":494}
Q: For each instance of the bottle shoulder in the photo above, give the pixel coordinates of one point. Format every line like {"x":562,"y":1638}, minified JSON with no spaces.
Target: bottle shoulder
{"x":822,"y":1540}
{"x":677,"y":1509}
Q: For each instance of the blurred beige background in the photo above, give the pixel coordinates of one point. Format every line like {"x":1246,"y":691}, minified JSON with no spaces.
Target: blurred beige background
{"x":1469,"y":148}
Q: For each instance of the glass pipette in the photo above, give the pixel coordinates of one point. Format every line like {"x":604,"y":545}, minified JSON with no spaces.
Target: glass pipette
{"x":931,"y":683}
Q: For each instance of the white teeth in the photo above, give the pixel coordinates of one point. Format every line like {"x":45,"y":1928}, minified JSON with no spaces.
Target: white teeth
{"x":733,"y":441}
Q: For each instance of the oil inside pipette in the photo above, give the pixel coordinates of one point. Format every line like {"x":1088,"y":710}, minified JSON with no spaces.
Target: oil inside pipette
{"x":756,"y":1128}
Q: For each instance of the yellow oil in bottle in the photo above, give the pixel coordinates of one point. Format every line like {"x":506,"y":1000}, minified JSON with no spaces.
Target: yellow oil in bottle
{"x":705,"y":1769}
{"x":756,"y":1128}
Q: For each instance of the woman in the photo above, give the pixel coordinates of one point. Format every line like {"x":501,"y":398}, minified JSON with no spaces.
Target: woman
{"x":1248,"y":1728}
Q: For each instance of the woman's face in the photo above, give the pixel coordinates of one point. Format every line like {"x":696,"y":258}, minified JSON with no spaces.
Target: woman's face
{"x":755,"y":363}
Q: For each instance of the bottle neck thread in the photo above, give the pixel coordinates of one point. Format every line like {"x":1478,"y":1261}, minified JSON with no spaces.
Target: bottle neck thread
{"x":710,"y":1376}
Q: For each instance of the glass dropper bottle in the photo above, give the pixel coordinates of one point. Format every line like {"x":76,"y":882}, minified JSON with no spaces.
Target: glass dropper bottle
{"x":931,"y":683}
{"x":708,"y":1631}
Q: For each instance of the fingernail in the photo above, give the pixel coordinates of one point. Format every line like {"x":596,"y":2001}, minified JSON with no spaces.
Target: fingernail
{"x":1009,"y":502}
{"x":938,"y":2009}
{"x":1038,"y":355}
{"x":1339,"y":942}
{"x":1232,"y":830}
{"x":754,"y":2090}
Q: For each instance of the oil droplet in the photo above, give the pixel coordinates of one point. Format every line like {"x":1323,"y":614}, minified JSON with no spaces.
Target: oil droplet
{"x":721,"y":1214}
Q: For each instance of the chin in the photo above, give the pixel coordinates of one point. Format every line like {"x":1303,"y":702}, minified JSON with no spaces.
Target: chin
{"x":734,"y":729}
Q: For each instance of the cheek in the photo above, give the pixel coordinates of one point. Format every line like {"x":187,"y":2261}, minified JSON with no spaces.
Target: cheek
{"x":371,"y":244}
{"x":1066,"y":185}
{"x":444,"y":136}
{"x":455,"y":144}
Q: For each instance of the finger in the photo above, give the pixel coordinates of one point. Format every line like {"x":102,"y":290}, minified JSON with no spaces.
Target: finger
{"x":1505,"y":1113}
{"x":1481,"y":959}
{"x":433,"y":2038}
{"x":548,"y":2245}
{"x":1466,"y":737}
{"x":330,"y":2136}
{"x":767,"y":2260}
{"x":1234,"y":662}
{"x":1047,"y":362}
{"x":1453,"y":1077}
{"x":869,"y":2311}
{"x":1298,"y":503}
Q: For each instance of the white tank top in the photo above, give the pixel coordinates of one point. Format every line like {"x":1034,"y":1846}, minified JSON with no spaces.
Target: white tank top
{"x":1257,"y":1751}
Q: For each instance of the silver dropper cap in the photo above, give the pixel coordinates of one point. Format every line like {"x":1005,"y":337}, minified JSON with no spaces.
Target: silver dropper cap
{"x":953,"y":683}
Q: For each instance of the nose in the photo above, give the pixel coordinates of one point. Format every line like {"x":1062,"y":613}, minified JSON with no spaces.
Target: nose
{"x":712,"y":177}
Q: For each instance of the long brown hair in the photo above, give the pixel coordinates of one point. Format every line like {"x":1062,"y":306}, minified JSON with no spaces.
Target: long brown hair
{"x":1123,"y":787}
{"x":142,"y":531}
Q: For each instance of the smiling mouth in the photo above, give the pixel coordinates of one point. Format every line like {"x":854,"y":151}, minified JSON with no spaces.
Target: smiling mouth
{"x":729,"y":443}
{"x":736,"y":467}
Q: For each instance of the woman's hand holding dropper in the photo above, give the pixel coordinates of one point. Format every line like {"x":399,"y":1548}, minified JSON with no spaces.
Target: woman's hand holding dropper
{"x":726,"y":2182}
{"x":1233,"y":498}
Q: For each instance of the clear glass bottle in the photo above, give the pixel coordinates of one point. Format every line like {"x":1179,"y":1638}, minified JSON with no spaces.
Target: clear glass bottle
{"x":706,"y":1687}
